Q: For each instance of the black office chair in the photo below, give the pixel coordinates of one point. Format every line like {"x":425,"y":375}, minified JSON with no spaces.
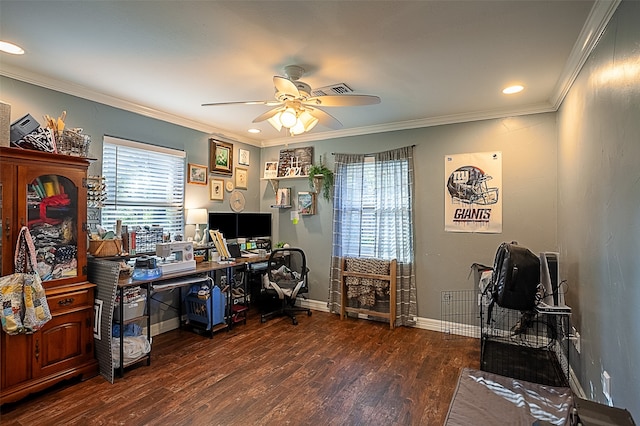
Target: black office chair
{"x":286,"y":280}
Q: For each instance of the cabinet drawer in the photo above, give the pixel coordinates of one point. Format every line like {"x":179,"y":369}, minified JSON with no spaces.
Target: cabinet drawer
{"x":71,"y":301}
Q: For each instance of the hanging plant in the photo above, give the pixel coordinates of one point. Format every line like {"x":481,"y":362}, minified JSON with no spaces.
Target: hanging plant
{"x":321,"y":180}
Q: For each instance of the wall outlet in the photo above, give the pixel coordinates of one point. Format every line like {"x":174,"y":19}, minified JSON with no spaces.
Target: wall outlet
{"x":606,"y":387}
{"x":575,"y":337}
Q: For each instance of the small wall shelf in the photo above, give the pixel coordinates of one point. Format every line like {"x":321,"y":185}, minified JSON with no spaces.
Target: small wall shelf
{"x":275,"y":182}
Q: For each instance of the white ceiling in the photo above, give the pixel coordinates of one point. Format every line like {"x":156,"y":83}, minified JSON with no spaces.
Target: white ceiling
{"x":430,"y":62}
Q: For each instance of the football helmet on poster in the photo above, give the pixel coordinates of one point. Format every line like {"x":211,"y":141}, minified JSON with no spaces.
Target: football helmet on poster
{"x":468,"y":184}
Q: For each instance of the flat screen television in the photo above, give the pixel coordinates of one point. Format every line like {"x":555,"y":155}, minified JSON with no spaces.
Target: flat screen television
{"x":226,"y":223}
{"x":254,"y":225}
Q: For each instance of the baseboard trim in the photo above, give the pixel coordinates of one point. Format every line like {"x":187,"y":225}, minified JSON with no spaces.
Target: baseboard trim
{"x":316,"y":305}
{"x":575,"y":385}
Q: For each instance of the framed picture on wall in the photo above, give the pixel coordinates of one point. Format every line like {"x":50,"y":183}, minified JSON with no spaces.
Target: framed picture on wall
{"x":271,"y":170}
{"x":241,"y":178}
{"x":283,"y":197}
{"x":306,"y":203}
{"x":197,"y":174}
{"x":216,"y":189}
{"x":295,"y":161}
{"x":243,"y":157}
{"x":220,"y":157}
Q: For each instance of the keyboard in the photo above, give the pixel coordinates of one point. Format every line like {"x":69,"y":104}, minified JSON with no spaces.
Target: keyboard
{"x":177,"y":282}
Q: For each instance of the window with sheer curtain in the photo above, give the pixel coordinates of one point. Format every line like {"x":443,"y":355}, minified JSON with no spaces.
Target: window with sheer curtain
{"x":145,"y":185}
{"x":373,"y":218}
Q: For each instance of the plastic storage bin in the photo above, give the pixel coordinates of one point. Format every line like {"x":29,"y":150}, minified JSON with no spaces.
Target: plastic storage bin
{"x":206,"y":312}
{"x":132,"y":309}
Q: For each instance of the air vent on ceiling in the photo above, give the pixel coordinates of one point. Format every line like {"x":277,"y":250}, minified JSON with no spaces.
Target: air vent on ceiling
{"x":334,"y":89}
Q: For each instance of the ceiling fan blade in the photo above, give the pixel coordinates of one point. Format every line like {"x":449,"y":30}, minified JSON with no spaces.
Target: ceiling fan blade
{"x":324,"y":118}
{"x":270,"y":103}
{"x":342,"y":100}
{"x":286,"y":86}
{"x":267,"y":115}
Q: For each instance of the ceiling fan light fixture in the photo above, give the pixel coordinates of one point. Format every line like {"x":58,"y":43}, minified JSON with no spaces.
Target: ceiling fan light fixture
{"x":297,"y":129}
{"x":288,"y":117}
{"x":305,"y":123}
{"x":308,"y":121}
{"x":275,"y":121}
{"x":295,"y":103}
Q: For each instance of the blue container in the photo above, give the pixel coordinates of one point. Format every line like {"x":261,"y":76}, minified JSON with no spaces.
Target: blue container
{"x":206,"y":312}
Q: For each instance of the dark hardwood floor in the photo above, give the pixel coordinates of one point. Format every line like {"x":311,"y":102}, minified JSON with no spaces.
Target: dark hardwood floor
{"x":322,"y":372}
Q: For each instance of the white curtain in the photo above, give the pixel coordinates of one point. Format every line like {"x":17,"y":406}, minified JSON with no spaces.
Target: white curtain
{"x":373,"y":218}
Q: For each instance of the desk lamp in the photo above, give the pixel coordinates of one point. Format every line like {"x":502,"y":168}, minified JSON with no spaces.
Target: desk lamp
{"x":197,"y":217}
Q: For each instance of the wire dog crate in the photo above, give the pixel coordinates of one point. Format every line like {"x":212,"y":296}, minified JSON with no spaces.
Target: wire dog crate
{"x":460,"y":314}
{"x":531,"y":346}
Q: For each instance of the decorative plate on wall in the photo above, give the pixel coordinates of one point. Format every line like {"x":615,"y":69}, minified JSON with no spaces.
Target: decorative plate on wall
{"x":237,"y":201}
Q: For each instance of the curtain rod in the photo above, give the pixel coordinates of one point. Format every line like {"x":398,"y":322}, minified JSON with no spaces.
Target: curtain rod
{"x":413,"y":146}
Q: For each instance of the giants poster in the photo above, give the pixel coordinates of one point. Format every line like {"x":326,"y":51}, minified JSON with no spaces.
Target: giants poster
{"x":473,"y":192}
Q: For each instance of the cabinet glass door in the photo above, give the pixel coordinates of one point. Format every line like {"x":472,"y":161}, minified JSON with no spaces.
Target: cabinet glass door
{"x":52,"y":212}
{"x":2,"y":220}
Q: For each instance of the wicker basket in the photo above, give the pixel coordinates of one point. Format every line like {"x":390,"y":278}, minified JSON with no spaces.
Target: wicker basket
{"x":73,"y":143}
{"x":105,"y":248}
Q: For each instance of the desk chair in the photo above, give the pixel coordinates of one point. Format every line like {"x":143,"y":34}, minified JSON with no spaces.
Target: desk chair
{"x":286,"y":279}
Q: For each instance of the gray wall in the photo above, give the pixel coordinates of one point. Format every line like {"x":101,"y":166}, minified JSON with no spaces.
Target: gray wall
{"x":98,"y":120}
{"x":443,"y":259}
{"x":599,"y":210}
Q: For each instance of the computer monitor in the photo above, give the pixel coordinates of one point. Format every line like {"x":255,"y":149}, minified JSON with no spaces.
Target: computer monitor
{"x":226,"y":223}
{"x":254,"y":225}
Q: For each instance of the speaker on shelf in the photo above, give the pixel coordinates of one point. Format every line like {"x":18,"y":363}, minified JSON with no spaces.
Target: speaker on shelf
{"x":550,"y":278}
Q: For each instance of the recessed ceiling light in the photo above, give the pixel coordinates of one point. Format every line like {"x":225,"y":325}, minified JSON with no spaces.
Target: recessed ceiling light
{"x":254,"y":130}
{"x":7,"y":47}
{"x":512,"y":89}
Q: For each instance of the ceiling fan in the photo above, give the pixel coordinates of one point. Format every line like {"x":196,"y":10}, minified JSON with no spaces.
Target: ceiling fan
{"x":295,"y":107}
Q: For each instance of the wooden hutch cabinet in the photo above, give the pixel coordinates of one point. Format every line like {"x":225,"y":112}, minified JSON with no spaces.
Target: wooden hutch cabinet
{"x":47,"y":192}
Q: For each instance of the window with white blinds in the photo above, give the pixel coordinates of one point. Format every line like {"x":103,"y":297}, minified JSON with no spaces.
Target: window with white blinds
{"x":145,"y":185}
{"x":375,"y":209}
{"x":373,"y":218}
{"x":359,"y":210}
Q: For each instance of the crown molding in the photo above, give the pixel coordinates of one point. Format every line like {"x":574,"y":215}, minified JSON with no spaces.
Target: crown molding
{"x":597,"y":21}
{"x":413,"y":124}
{"x":85,"y":93}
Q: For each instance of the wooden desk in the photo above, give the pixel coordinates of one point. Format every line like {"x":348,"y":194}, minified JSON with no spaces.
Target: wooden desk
{"x":105,"y":274}
{"x":201,"y":268}
{"x":173,"y":280}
